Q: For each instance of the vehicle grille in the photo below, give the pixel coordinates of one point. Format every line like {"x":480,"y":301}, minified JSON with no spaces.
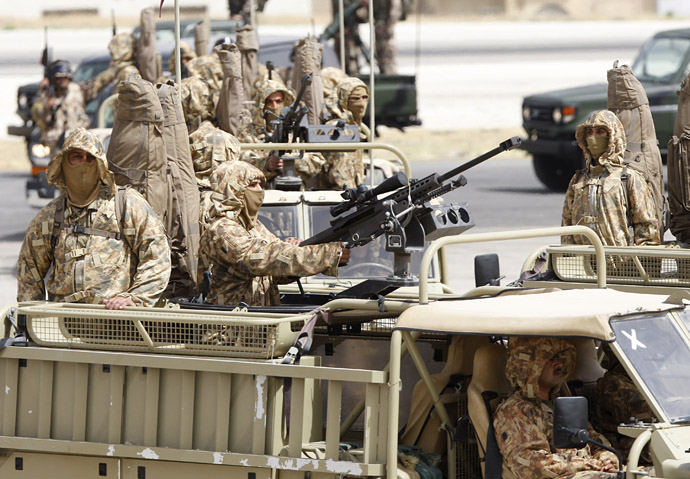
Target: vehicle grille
{"x":541,"y":113}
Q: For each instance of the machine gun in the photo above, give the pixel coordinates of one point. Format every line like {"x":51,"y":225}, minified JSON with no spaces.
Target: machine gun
{"x":404,"y":214}
{"x":292,"y":127}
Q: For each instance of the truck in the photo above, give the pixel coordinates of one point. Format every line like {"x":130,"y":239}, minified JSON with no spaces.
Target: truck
{"x":550,"y":119}
{"x":207,"y":391}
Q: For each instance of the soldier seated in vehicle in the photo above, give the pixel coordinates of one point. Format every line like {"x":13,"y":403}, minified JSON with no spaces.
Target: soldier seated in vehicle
{"x":60,"y":105}
{"x":538,"y":368}
{"x":94,"y":243}
{"x":246,"y":261}
{"x":607,"y":196}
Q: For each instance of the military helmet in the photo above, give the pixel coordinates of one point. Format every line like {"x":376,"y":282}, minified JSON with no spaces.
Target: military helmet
{"x":59,"y":69}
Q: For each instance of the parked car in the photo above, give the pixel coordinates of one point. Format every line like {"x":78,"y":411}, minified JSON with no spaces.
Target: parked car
{"x":550,"y":119}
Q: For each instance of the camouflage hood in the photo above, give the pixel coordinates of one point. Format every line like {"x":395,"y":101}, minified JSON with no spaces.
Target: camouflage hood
{"x":331,"y":77}
{"x":229,"y":182}
{"x":210,"y":148}
{"x":198,"y":102}
{"x":186,"y":52}
{"x":266,"y":89}
{"x":122,"y":49}
{"x":209,"y":69}
{"x":345,"y":88}
{"x":83,"y":140}
{"x":527,"y":358}
{"x":615,"y":153}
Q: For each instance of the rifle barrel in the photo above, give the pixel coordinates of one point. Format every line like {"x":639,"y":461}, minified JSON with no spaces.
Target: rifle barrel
{"x":506,"y":145}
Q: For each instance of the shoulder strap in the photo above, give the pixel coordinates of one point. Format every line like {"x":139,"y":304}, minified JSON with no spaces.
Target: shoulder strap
{"x":120,"y":206}
{"x":57,"y":223}
{"x":493,"y":467}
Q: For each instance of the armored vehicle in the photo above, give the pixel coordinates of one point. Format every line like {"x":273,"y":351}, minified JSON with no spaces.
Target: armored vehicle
{"x":215,"y":391}
{"x":550,"y":118}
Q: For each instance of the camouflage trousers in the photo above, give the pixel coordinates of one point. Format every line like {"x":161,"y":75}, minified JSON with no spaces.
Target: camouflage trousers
{"x":590,"y":475}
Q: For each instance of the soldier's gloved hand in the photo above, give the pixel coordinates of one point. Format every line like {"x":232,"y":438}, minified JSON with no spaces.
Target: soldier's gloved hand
{"x":275,"y":163}
{"x":609,"y":466}
{"x":344,"y":256}
{"x":118,"y":302}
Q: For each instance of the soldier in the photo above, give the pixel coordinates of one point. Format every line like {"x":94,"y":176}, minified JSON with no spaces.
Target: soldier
{"x":616,"y":400}
{"x":607,"y":196}
{"x":346,"y":169}
{"x":60,"y":105}
{"x":122,"y":48}
{"x":247,"y":262}
{"x":273,"y":96}
{"x":537,"y":368}
{"x":98,"y":244}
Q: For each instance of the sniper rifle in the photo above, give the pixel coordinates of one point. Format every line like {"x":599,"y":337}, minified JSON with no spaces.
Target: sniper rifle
{"x":402,"y":211}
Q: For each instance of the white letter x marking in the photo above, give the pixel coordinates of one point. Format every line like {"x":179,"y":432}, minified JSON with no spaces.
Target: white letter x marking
{"x":633,"y":339}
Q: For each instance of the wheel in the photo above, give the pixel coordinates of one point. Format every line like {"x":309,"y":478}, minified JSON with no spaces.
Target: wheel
{"x":555,"y":172}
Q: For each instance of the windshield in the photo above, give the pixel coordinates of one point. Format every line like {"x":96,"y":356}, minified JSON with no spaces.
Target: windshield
{"x":660,"y":354}
{"x":368,"y":261}
{"x":281,"y":220}
{"x":661,"y":59}
{"x":87,"y":70}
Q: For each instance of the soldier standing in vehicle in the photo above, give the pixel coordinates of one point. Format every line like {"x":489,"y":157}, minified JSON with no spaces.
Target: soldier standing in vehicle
{"x":607,"y":196}
{"x":60,"y":105}
{"x":346,"y":169}
{"x":537,"y":368}
{"x":122,"y":48}
{"x":94,"y":243}
{"x":246,"y":260}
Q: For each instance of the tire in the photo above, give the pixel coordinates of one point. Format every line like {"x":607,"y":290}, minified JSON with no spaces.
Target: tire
{"x":555,"y":172}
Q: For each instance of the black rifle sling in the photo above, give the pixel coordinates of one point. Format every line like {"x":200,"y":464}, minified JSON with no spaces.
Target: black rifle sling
{"x":59,"y":224}
{"x":493,"y":459}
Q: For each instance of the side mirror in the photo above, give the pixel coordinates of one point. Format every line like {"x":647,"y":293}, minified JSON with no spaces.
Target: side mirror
{"x":570,"y":422}
{"x":487,"y":270}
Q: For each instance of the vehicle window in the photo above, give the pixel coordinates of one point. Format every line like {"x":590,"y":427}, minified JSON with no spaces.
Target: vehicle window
{"x":661,"y":59}
{"x":368,"y":261}
{"x":87,"y":70}
{"x":660,"y":354}
{"x":281,"y":220}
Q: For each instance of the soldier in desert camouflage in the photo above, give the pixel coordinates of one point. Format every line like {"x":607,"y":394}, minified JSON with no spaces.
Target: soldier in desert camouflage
{"x":346,"y":169}
{"x":616,"y":400}
{"x":247,"y":262}
{"x":103,"y":245}
{"x":60,"y":105}
{"x":273,"y":96}
{"x":607,"y":196}
{"x":537,"y":368}
{"x":122,"y":48}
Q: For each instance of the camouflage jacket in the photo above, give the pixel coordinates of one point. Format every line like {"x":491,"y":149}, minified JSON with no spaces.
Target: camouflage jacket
{"x":85,"y":267}
{"x":523,"y":423}
{"x":247,"y":264}
{"x":66,"y":114}
{"x":122,"y":49}
{"x":599,"y":197}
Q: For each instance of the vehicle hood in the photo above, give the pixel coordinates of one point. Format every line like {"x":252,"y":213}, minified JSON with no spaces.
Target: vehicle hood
{"x":581,"y":94}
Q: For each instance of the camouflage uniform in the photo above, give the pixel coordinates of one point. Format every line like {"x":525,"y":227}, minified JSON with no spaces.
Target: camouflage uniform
{"x":599,"y":198}
{"x":617,"y":400}
{"x":122,"y":64}
{"x":386,"y":15}
{"x":248,"y":261}
{"x":308,"y":167}
{"x":198,"y":102}
{"x":210,"y":147}
{"x":67,"y":114}
{"x":346,"y":169}
{"x":88,"y":268}
{"x":207,"y":67}
{"x":523,"y":423}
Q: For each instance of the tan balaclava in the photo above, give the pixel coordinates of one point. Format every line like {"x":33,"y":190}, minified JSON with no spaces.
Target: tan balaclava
{"x":597,"y":145}
{"x":253,"y":199}
{"x":82,"y":181}
{"x":275,"y":111}
{"x":358,"y":107}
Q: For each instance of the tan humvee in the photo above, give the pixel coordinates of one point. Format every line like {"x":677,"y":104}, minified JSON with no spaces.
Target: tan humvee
{"x":197,"y":392}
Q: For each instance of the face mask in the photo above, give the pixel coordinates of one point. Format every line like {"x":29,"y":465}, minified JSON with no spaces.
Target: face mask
{"x":358,"y":107}
{"x":83,"y":182}
{"x":253,"y":199}
{"x":597,"y":145}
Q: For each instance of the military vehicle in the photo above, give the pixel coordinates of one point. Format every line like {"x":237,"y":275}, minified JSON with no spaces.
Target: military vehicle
{"x":550,"y":118}
{"x":207,"y":392}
